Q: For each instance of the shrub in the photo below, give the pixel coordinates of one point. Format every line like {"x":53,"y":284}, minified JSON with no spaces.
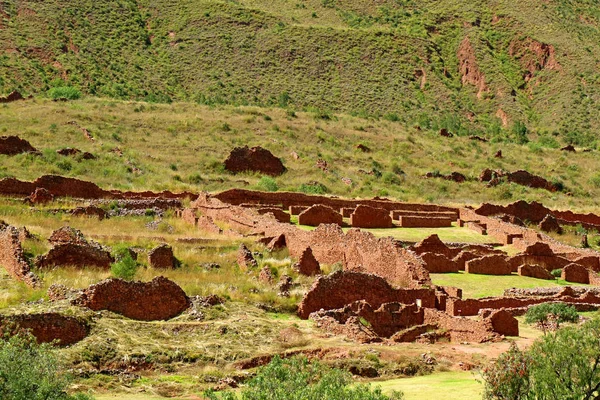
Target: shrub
{"x":313,"y":188}
{"x":64,"y":92}
{"x":298,"y":379}
{"x":125,"y":267}
{"x":508,"y":377}
{"x":268,"y":184}
{"x":546,"y":313}
{"x":557,"y":273}
{"x":31,"y":371}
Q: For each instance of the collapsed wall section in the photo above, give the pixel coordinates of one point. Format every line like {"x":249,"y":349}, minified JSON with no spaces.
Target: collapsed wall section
{"x":12,"y":257}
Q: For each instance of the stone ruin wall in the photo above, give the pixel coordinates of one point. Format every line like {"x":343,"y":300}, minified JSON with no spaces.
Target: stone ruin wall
{"x":12,"y":258}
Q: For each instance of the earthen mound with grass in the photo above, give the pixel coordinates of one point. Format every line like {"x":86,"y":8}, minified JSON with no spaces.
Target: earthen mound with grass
{"x":13,"y":145}
{"x":255,"y":159}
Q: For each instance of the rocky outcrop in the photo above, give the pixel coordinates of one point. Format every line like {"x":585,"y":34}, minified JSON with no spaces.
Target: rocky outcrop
{"x":469,"y":67}
{"x":255,"y":159}
{"x":12,"y":96}
{"x":245,"y":259}
{"x":345,"y":287}
{"x":72,"y":152}
{"x":47,"y":327}
{"x":308,"y":264}
{"x":13,"y":145}
{"x":159,"y":299}
{"x":12,"y":258}
{"x":370,"y":217}
{"x":71,"y":249}
{"x":162,"y":257}
{"x":320,"y":214}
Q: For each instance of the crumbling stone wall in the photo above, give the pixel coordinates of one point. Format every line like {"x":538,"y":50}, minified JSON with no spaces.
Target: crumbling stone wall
{"x":488,"y":265}
{"x":370,"y":217}
{"x":438,"y":263}
{"x":71,"y":249}
{"x":47,"y":327}
{"x":256,"y":159}
{"x":575,"y":273}
{"x":12,"y":145}
{"x":320,"y":214}
{"x":159,"y":299}
{"x":344,"y":287}
{"x":411,"y":221}
{"x":12,"y":257}
{"x":535,"y":271}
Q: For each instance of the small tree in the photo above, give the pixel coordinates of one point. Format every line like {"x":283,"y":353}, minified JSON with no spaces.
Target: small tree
{"x":125,"y":267}
{"x":508,"y":377}
{"x":298,"y":379}
{"x":547,"y":314}
{"x":31,"y":371}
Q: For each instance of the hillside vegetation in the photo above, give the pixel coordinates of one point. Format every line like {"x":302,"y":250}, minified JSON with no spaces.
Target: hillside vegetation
{"x":182,"y":146}
{"x":509,"y":70}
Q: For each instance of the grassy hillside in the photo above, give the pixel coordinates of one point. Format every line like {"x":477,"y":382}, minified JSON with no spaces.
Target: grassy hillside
{"x":530,"y":62}
{"x":182,"y":146}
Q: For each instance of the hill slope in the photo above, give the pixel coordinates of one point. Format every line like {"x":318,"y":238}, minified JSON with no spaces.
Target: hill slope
{"x":462,"y":65}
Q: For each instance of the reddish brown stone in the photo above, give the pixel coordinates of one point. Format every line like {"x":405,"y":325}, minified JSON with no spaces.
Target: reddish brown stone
{"x":47,"y":327}
{"x":319,"y":214}
{"x":488,"y":265}
{"x":575,"y":273}
{"x":13,"y":96}
{"x":255,"y":159}
{"x":161,"y":257}
{"x":41,"y":196}
{"x":438,"y":263}
{"x":71,"y":249}
{"x":525,"y":178}
{"x":503,"y":323}
{"x":345,"y":287}
{"x":535,"y":271}
{"x":276,"y":243}
{"x":90,"y":211}
{"x":370,"y":217}
{"x":550,"y":224}
{"x":265,"y":275}
{"x":463,"y":257}
{"x":569,"y":148}
{"x":408,"y":221}
{"x":12,"y":257}
{"x":159,"y":299}
{"x":433,"y":244}
{"x":308,"y":264}
{"x":245,"y":259}
{"x":285,"y":285}
{"x":278,"y":214}
{"x":12,"y":145}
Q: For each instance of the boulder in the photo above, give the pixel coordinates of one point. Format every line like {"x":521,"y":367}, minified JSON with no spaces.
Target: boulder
{"x":320,"y":214}
{"x":159,"y":299}
{"x":162,"y":257}
{"x":370,"y":217}
{"x":308,"y":264}
{"x":255,"y":159}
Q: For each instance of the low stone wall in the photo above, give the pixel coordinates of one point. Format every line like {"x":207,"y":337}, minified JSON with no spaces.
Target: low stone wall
{"x":438,"y":263}
{"x":47,"y":327}
{"x":453,"y":215}
{"x":345,"y":287}
{"x":159,"y":299}
{"x":535,"y":271}
{"x":320,"y":214}
{"x":488,"y":265}
{"x":370,"y":217}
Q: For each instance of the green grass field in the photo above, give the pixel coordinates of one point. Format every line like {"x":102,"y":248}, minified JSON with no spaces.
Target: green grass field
{"x":443,"y":385}
{"x":476,"y":286}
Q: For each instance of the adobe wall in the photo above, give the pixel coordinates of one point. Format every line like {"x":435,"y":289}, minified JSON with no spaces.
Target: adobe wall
{"x":287,"y":199}
{"x":410,"y":221}
{"x":438,"y":263}
{"x":344,"y":287}
{"x":48,"y":327}
{"x":488,"y":265}
{"x":462,"y":330}
{"x":159,"y":299}
{"x":370,"y":217}
{"x":12,"y":257}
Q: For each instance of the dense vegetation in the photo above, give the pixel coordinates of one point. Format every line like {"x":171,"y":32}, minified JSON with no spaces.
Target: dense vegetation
{"x":398,"y":59}
{"x":561,"y":365}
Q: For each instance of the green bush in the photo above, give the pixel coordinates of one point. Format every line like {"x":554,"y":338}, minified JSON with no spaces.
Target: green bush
{"x":64,"y":92}
{"x":545,"y":313}
{"x":125,"y":267}
{"x":29,"y":371}
{"x":556,"y":273}
{"x":268,"y":184}
{"x":298,"y":379}
{"x":313,"y":188}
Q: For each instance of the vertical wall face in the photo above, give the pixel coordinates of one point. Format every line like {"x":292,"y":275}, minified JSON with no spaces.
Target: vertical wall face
{"x":11,"y":256}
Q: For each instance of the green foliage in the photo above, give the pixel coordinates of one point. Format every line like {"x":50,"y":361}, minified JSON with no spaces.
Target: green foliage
{"x":556,"y":273}
{"x":298,"y":379}
{"x":561,"y":365}
{"x":313,"y":188}
{"x":508,"y":377}
{"x":29,"y":371}
{"x":64,"y":92}
{"x":545,"y":313}
{"x":125,"y":267}
{"x":268,"y":184}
